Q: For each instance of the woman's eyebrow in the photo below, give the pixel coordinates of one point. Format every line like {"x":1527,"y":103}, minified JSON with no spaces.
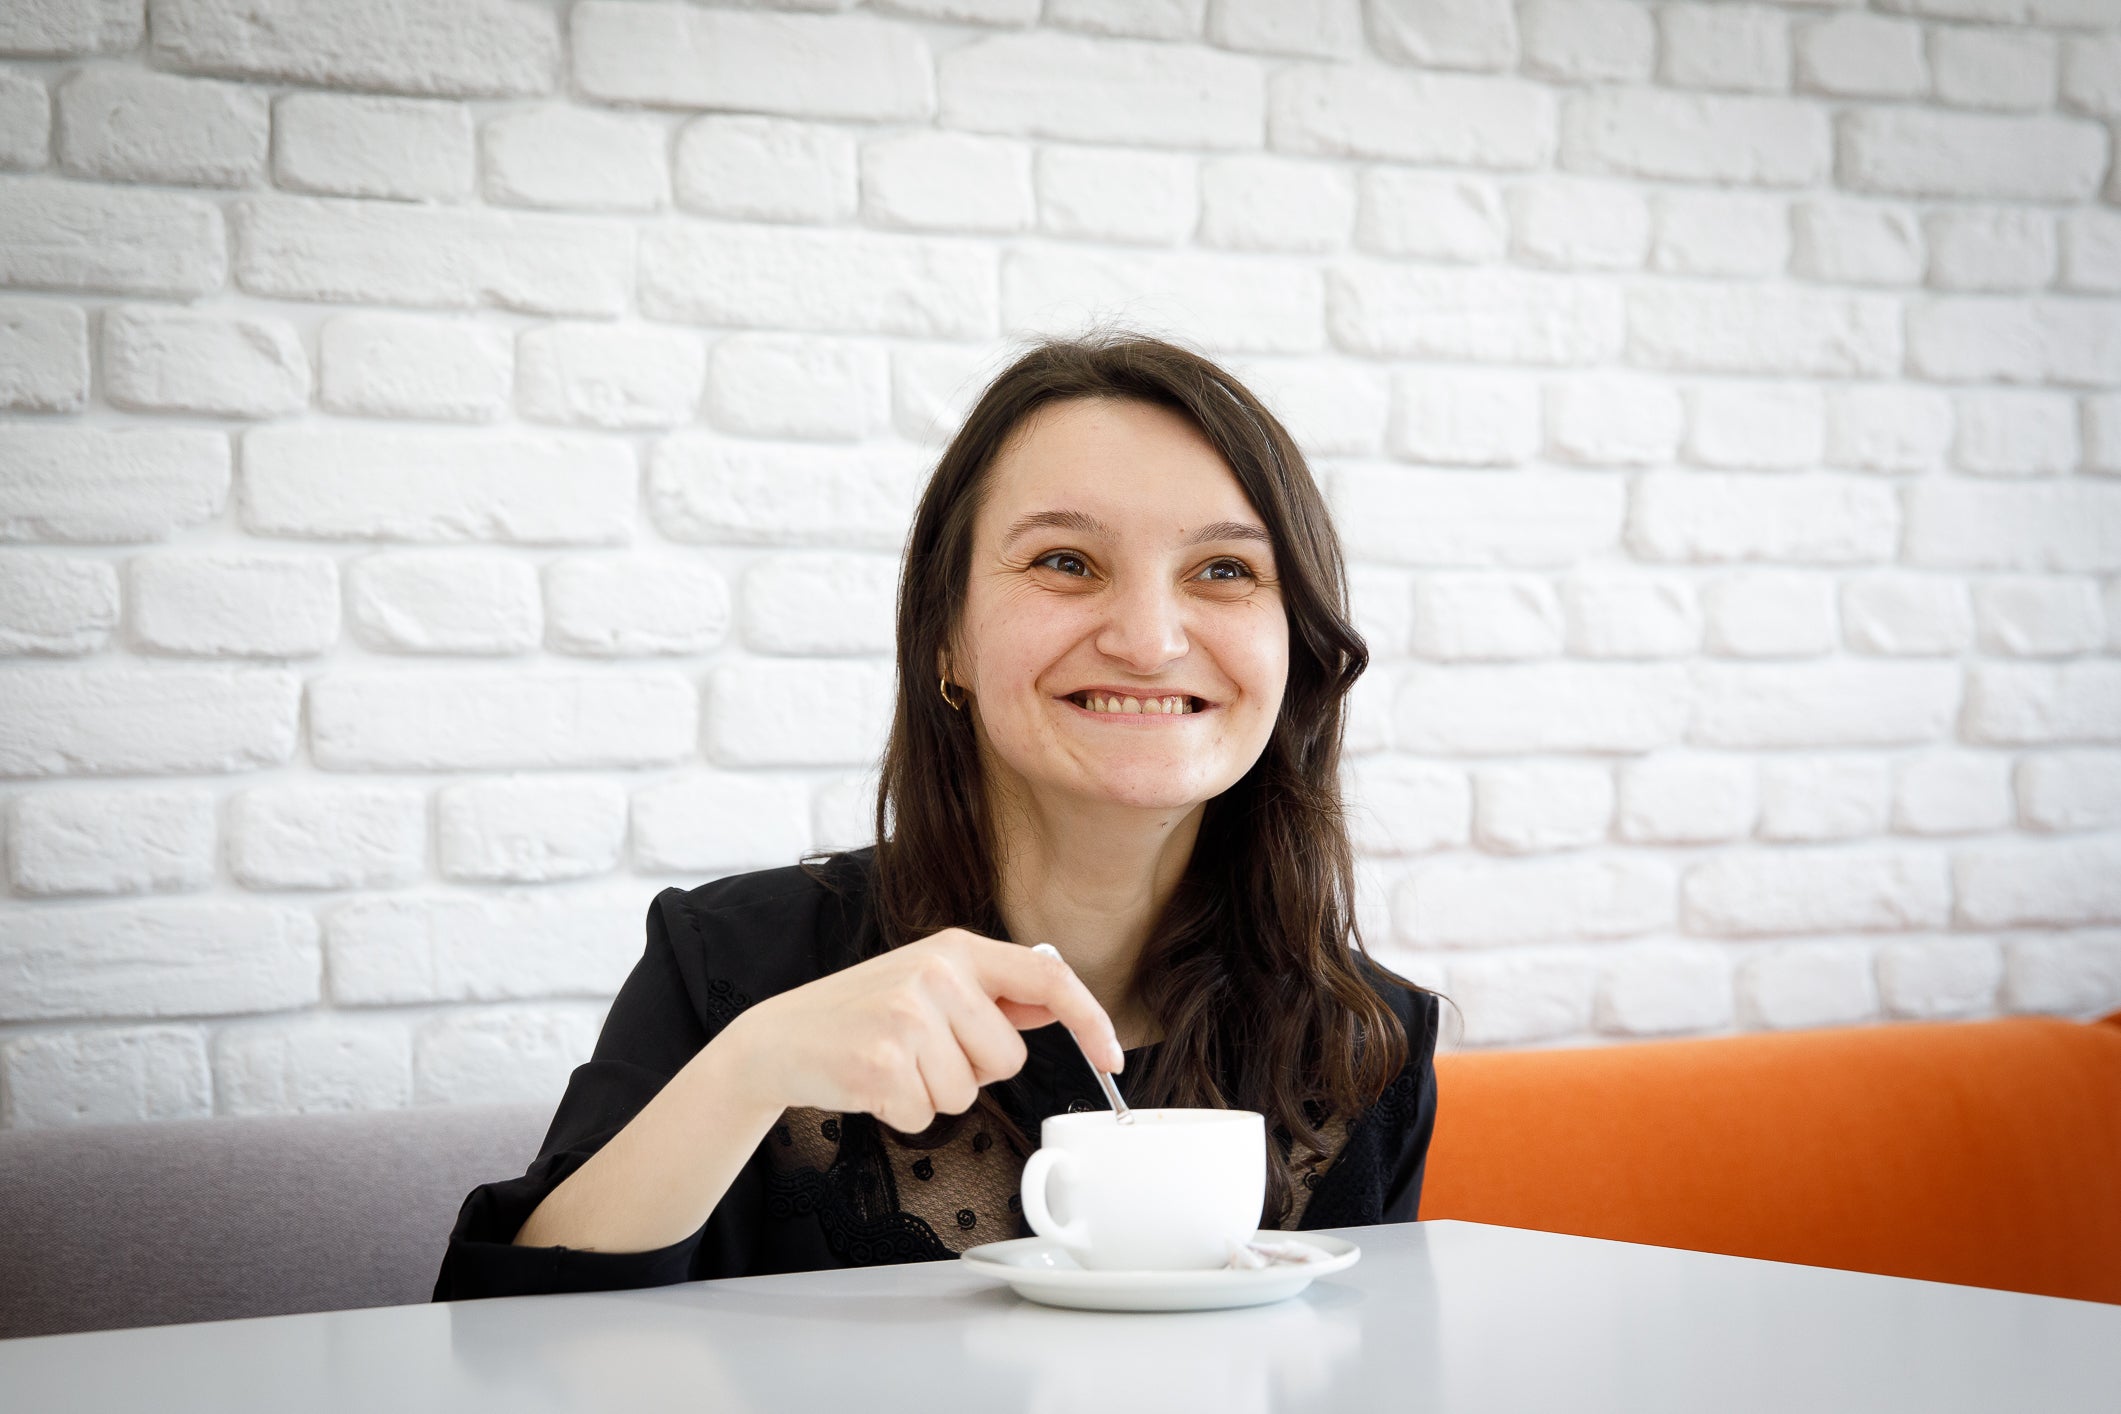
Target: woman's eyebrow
{"x":1231,"y":530}
{"x":1087,"y":524}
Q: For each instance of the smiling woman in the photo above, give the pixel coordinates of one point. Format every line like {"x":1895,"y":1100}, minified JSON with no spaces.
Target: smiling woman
{"x":1124,"y":652}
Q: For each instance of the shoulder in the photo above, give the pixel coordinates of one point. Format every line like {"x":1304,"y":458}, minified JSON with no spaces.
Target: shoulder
{"x":772,"y":929}
{"x":1417,"y":1008}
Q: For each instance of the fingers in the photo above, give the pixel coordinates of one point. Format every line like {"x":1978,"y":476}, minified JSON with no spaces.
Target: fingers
{"x":986,"y":1037}
{"x":1009,"y":972}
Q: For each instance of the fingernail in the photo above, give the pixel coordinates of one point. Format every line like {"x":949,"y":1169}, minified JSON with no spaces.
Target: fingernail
{"x":1119,"y":1058}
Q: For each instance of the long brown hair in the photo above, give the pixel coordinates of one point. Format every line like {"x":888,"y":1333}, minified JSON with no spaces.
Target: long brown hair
{"x":1251,"y":969}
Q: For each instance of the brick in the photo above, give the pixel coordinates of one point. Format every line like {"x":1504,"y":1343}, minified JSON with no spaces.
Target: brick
{"x":2091,"y":251}
{"x":1485,"y":617}
{"x":516,"y":831}
{"x":111,"y":1075}
{"x":1729,"y":516}
{"x":1145,"y":19}
{"x":1766,"y":892}
{"x":167,"y":360}
{"x":1226,"y":302}
{"x":51,"y":29}
{"x":1906,"y":615}
{"x":947,"y":181}
{"x":2080,"y":347}
{"x":1577,"y":224}
{"x":767,"y":713}
{"x":1744,"y":48}
{"x":56,"y":605}
{"x":1970,"y":340}
{"x":1769,"y":614}
{"x":843,"y":813}
{"x":1507,"y":709}
{"x":703,"y":489}
{"x":1612,"y":419}
{"x":1685,"y":799}
{"x":1460,"y":120}
{"x":2102,"y":433}
{"x":1275,"y":203}
{"x":600,"y":375}
{"x":1134,"y":198}
{"x":409,"y":149}
{"x":2052,"y":884}
{"x":25,"y":122}
{"x":1485,"y":903}
{"x":1658,"y":989}
{"x":1696,"y":137}
{"x":1319,"y":29}
{"x":1485,"y":316}
{"x":1824,"y":797}
{"x":94,"y":841}
{"x":1399,"y":807}
{"x":470,"y":49}
{"x":327,"y":837}
{"x":1993,"y":68}
{"x":1431,"y":216}
{"x":719,"y":822}
{"x":821,"y":604}
{"x":1857,"y":243}
{"x":443,"y":601}
{"x":1452,"y":34}
{"x":2069,"y":790}
{"x":1522,"y":997}
{"x":309,"y":248}
{"x":1991,"y":248}
{"x":129,"y":125}
{"x":1392,"y":515}
{"x":634,"y":606}
{"x":2024,"y":617}
{"x":1763,"y":426}
{"x":1718,"y":233}
{"x":238,"y":604}
{"x":104,"y":484}
{"x":821,"y":281}
{"x":483,"y":945}
{"x":58,"y":235}
{"x":395,"y":720}
{"x":792,"y":385}
{"x":1862,"y":56}
{"x":2014,"y":433}
{"x":1839,"y":703}
{"x":2090,"y":64}
{"x":574,"y":159}
{"x":1939,"y":978}
{"x":538,"y":489}
{"x":1954,"y":524}
{"x":978,"y":12}
{"x":1807,"y":985}
{"x":146,"y":721}
{"x":1629,"y":616}
{"x":1708,"y":328}
{"x":1951,"y":793}
{"x":2013,"y":704}
{"x":1330,"y":407}
{"x":1887,"y":428}
{"x":2078,"y":973}
{"x":1369,"y":713}
{"x":813,"y":66}
{"x":313,"y":1065}
{"x":934,"y":387}
{"x":1381,"y":604}
{"x":502,"y":1054}
{"x":185,"y":958}
{"x":1916,"y":152}
{"x":401,"y":365}
{"x":749,"y":168}
{"x":1587,"y":40}
{"x":1156,"y":95}
{"x":1541,"y":806}
{"x":1475,"y":419}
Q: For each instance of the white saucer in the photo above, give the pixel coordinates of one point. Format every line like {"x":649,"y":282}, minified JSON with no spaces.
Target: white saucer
{"x":1040,"y":1271}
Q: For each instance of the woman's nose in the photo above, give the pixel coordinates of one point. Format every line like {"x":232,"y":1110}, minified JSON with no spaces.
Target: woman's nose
{"x":1145,"y":628}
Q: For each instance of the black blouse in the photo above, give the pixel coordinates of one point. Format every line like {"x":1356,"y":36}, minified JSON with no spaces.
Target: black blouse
{"x":839,"y":1190}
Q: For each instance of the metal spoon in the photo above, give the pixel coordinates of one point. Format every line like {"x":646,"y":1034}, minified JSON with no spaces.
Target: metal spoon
{"x":1104,"y":1079}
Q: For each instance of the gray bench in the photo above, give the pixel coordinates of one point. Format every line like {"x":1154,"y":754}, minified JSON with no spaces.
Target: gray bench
{"x":106,"y":1226}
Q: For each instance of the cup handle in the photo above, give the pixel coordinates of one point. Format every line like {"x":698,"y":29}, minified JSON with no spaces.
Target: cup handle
{"x":1036,"y":1170}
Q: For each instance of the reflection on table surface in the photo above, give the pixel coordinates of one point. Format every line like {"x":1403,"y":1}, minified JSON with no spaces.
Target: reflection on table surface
{"x":1436,"y":1316}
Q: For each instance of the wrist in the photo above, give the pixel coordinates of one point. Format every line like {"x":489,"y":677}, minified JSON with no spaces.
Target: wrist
{"x":736,"y":1065}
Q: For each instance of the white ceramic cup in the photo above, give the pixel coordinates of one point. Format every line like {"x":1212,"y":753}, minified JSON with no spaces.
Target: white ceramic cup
{"x":1170,"y":1192}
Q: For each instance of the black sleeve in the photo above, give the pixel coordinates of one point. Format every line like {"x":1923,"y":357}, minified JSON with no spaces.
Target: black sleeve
{"x":1408,"y":1155}
{"x":665,"y":1013}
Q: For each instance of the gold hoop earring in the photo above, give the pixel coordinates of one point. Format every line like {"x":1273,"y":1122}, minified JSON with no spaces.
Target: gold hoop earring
{"x":942,"y":685}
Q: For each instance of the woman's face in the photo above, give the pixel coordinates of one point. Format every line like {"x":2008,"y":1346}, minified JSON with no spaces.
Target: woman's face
{"x":1118,"y":569}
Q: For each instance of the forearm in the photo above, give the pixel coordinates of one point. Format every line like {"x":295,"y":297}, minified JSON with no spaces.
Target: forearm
{"x":658,"y":1179}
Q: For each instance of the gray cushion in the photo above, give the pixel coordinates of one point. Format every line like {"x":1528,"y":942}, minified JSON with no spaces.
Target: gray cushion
{"x":106,"y":1226}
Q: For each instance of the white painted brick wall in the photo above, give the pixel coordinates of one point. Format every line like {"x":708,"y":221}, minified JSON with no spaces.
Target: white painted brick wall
{"x":453,"y":458}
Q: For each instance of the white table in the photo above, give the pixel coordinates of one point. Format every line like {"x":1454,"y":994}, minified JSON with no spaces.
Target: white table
{"x":1437,"y":1316}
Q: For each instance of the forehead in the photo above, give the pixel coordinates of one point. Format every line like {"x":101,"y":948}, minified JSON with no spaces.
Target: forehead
{"x":1131,"y":464}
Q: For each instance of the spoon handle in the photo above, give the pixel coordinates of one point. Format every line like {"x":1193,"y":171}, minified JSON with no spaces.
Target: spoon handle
{"x":1104,"y":1078}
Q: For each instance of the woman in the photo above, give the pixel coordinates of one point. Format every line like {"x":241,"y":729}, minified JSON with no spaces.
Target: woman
{"x":1124,"y":655}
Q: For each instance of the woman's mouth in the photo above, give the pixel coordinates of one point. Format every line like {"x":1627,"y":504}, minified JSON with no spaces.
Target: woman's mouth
{"x":1119,"y":704}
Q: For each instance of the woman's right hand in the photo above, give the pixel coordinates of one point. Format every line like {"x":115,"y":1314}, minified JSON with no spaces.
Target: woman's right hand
{"x":915,"y":1032}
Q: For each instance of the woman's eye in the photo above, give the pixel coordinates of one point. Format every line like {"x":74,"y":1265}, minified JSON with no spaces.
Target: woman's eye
{"x":1227,"y":570}
{"x":1066,"y":561}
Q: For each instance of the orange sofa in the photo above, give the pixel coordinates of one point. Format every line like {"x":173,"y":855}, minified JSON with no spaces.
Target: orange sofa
{"x":1985,"y":1153}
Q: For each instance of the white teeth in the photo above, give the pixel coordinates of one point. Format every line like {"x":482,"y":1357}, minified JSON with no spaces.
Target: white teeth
{"x":1130,"y":704}
{"x":1161,"y":706}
